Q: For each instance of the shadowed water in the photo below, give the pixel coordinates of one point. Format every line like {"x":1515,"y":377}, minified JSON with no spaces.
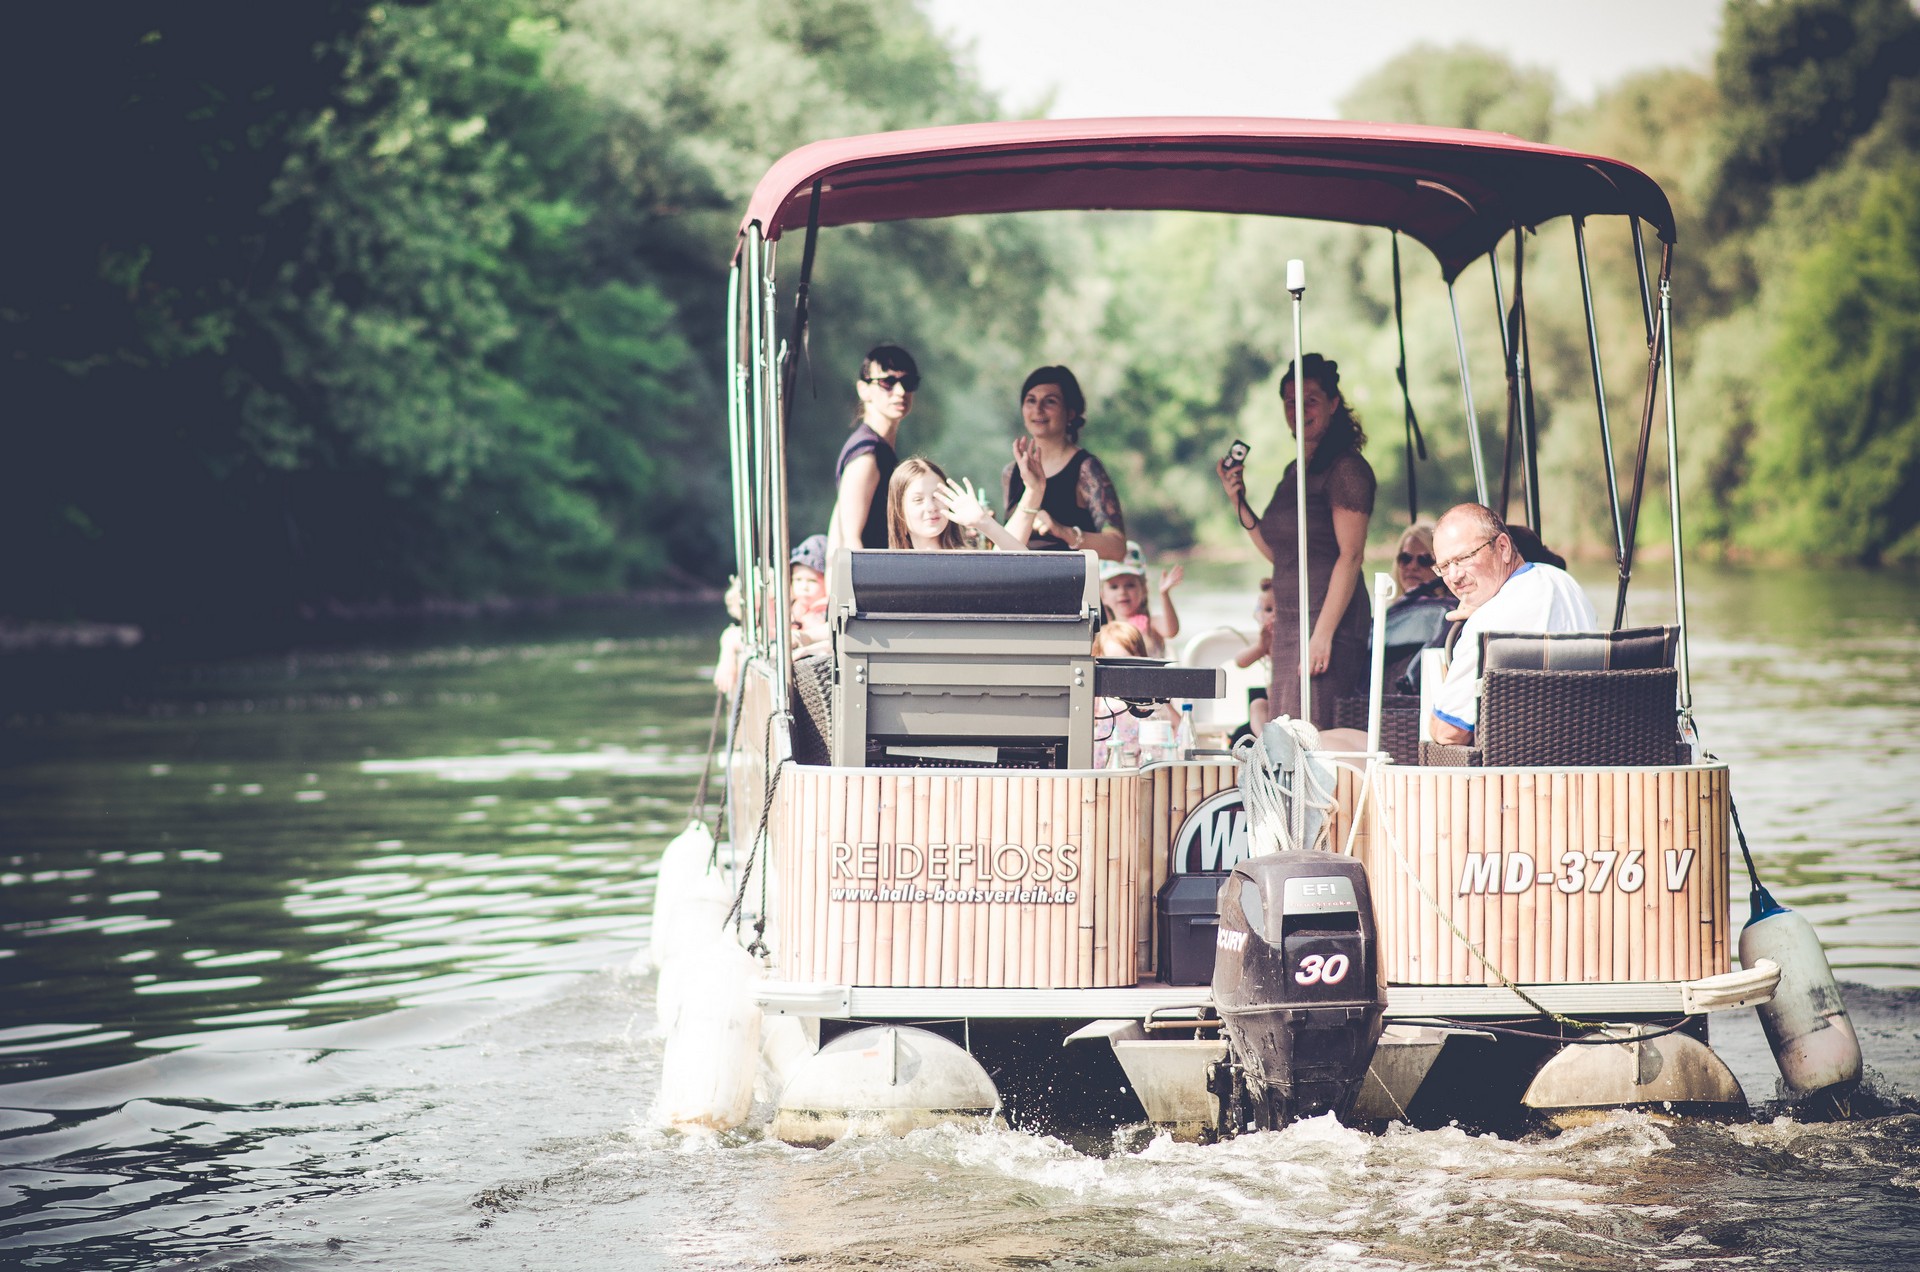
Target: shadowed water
{"x":320,"y":960}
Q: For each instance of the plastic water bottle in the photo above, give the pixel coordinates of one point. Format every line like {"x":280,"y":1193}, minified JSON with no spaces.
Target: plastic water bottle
{"x":1156,"y":741}
{"x":1184,"y":739}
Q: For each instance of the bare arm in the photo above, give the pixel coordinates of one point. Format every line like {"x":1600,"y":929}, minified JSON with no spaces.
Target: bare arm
{"x":1167,"y":621}
{"x":1234,"y":482}
{"x":1451,"y":734}
{"x":1020,"y":516}
{"x":1350,"y":531}
{"x":858,"y":485}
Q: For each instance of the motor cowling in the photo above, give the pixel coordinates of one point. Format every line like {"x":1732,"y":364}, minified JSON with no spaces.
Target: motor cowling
{"x":1299,"y":986}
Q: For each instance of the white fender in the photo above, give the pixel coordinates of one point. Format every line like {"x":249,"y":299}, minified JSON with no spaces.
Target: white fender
{"x":1806,"y":1022}
{"x":690,"y":896}
{"x":713,"y":1046}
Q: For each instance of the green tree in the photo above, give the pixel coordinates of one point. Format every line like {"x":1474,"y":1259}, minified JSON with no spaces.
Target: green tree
{"x":135,"y":233}
{"x":441,"y":340}
{"x":1836,"y":464}
{"x":1799,"y":80}
{"x":1462,"y":86}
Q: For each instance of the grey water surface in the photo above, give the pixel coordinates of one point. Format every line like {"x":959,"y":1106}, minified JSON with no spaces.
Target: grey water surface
{"x":321,"y":959}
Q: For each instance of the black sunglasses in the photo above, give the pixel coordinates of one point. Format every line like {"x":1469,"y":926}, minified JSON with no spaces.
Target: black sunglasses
{"x":908,"y":381}
{"x":1416,"y":558}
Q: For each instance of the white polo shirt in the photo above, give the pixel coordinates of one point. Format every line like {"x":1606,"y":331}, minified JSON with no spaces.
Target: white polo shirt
{"x":1535,"y":598}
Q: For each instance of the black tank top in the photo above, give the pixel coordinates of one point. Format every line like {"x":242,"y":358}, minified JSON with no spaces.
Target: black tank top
{"x":1057,"y":501}
{"x":864,"y":441}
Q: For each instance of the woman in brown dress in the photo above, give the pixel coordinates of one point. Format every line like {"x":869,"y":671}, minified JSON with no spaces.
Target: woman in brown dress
{"x":1340,"y":487}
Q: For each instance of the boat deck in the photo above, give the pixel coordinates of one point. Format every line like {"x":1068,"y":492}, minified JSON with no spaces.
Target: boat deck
{"x":1738,"y":988}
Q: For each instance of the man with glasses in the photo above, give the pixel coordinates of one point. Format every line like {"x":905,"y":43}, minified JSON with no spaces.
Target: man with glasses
{"x":885,"y":387}
{"x":1499,"y":591}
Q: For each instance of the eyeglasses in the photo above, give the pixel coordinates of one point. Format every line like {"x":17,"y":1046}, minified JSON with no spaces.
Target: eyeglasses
{"x":887,"y":383}
{"x":1417,"y":558}
{"x":1451,"y":563}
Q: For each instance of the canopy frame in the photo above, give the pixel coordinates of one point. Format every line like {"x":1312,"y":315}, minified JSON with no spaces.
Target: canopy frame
{"x":1455,"y":191}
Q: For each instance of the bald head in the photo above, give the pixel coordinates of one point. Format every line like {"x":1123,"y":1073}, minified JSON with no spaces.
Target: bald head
{"x":1477,"y":521}
{"x":1473,"y":552}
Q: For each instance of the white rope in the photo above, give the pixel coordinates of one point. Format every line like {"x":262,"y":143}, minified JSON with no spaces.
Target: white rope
{"x":1286,"y":783}
{"x":1374,"y":789}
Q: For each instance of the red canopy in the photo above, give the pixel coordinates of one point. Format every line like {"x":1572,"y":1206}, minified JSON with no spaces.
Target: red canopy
{"x":1455,"y":190}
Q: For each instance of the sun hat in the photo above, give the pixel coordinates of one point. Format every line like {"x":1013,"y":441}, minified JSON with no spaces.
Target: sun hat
{"x":810,"y":552}
{"x":1133,"y":563}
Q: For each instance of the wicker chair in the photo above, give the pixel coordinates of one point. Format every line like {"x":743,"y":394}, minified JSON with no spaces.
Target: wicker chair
{"x":1399,"y":723}
{"x":1573,"y":698}
{"x":813,"y":709}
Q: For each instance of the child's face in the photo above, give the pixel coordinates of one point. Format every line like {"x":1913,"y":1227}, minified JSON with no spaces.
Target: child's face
{"x":806,"y":584}
{"x":1263,"y":608}
{"x":926,"y":515}
{"x":1124,"y":594}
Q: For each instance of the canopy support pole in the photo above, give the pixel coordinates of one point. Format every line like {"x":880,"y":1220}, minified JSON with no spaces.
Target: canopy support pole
{"x":754,"y":582}
{"x":1529,"y":422}
{"x":1656,"y":352}
{"x":1415,"y":442}
{"x":1297,"y":284}
{"x":774,"y":461}
{"x":1599,"y":387}
{"x":1640,"y":266}
{"x":1466,"y":394}
{"x":796,"y":349}
{"x":1502,"y":319}
{"x":1673,"y":495}
{"x":737,"y":429}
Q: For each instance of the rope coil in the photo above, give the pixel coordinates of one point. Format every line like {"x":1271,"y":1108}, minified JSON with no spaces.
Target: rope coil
{"x":1286,"y":783}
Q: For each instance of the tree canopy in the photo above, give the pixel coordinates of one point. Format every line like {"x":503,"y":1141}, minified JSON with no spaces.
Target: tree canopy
{"x":352,"y":302}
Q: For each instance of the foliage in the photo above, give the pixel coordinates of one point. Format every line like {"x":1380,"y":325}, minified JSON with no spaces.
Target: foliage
{"x":359,"y":302}
{"x":1799,"y":81}
{"x":1836,"y":469}
{"x":1464,"y":86}
{"x":421,"y":300}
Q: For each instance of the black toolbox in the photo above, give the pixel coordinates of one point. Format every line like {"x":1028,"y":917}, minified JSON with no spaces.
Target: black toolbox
{"x":1187,"y":913}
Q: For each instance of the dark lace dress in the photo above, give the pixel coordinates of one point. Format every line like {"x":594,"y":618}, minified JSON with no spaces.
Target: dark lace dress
{"x":1347,"y":482}
{"x":1079,"y":495}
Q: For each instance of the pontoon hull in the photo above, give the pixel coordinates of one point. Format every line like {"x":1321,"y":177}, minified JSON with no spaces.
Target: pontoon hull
{"x":1599,"y":893}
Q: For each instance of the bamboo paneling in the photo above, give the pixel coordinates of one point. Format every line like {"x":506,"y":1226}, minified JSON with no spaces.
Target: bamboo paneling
{"x":1554,"y":875}
{"x":920,"y":877}
{"x":945,"y":878}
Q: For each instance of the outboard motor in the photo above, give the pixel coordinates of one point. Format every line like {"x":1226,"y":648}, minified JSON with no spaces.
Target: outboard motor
{"x":1299,"y":986}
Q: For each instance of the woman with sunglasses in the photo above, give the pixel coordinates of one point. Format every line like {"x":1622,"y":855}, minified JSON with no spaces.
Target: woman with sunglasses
{"x":885,"y":387}
{"x":1420,"y":612}
{"x":1074,"y":506}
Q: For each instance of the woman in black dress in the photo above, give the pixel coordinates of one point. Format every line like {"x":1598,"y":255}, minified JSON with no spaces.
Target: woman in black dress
{"x":1340,"y":486}
{"x":1076,"y":507}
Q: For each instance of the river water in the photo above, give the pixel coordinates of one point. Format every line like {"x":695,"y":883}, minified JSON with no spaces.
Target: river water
{"x":321,"y":959}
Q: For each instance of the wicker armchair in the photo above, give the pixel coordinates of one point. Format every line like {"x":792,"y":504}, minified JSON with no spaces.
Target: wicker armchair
{"x":1573,"y":698}
{"x":813,"y":709}
{"x":1399,"y":723}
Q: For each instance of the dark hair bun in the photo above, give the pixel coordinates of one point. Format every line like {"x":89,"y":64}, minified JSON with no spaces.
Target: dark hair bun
{"x":1324,"y":372}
